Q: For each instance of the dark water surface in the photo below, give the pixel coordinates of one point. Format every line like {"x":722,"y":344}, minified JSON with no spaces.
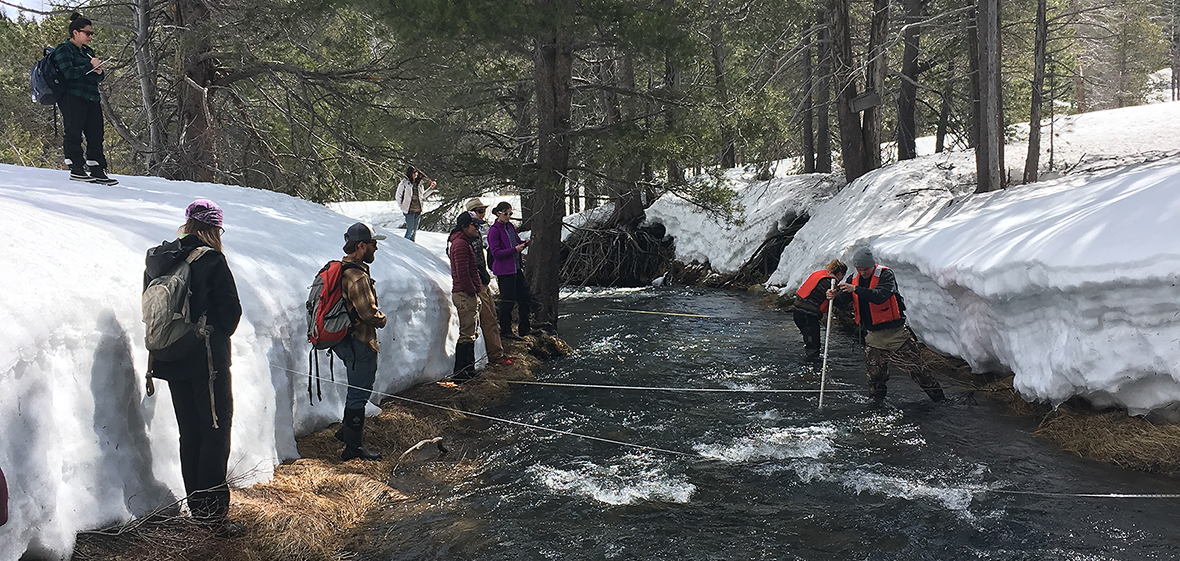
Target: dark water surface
{"x":765,"y":476}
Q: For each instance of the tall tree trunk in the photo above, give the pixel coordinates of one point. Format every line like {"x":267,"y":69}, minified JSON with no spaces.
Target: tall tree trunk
{"x":1079,"y":76}
{"x":145,"y":65}
{"x":671,"y":114}
{"x":554,"y":74}
{"x":1033,"y":161}
{"x":972,"y":20}
{"x":907,"y":98}
{"x":198,"y":149}
{"x":823,"y":90}
{"x":851,"y":141}
{"x":875,"y":82}
{"x":989,"y":153}
{"x":628,"y":196}
{"x":717,"y":38}
{"x":944,"y":110}
{"x":808,"y":106}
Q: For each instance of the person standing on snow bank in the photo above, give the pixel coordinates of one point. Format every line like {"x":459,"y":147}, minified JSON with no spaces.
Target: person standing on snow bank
{"x":81,"y":112}
{"x":811,"y":303}
{"x":879,"y":309}
{"x":409,"y":198}
{"x":204,"y":438}
{"x":358,"y":350}
{"x":505,"y":247}
{"x":465,"y":288}
{"x":488,"y":322}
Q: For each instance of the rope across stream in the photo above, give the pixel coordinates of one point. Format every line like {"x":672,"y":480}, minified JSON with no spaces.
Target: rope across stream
{"x":697,"y":456}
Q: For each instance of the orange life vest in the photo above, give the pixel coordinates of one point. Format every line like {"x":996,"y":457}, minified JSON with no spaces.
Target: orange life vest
{"x":878,"y":313}
{"x":809,"y":286}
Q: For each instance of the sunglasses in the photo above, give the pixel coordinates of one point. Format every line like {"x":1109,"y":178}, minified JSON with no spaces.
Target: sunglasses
{"x":88,"y":33}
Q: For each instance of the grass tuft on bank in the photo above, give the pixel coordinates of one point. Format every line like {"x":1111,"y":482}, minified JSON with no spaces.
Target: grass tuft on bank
{"x":310,"y":509}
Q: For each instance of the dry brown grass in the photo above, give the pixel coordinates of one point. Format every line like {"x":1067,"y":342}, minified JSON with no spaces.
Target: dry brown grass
{"x":309,"y":508}
{"x":1112,"y":437}
{"x":1115,"y":438}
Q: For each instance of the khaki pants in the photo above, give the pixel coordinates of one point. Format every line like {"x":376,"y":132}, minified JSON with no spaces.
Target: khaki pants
{"x":488,"y":324}
{"x":468,"y":307}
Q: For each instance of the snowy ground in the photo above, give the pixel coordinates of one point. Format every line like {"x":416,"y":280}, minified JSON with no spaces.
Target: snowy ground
{"x":83,"y":447}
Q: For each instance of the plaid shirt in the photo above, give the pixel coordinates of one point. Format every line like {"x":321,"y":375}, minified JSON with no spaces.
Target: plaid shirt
{"x":360,"y":297}
{"x":74,"y":64}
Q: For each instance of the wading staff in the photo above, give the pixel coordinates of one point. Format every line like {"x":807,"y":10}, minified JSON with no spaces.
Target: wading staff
{"x":823,"y":371}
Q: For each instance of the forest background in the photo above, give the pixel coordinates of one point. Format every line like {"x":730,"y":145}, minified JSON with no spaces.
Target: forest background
{"x":574,"y":103}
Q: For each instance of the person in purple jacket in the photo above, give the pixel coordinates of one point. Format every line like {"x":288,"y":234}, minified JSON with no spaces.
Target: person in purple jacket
{"x":504,"y":248}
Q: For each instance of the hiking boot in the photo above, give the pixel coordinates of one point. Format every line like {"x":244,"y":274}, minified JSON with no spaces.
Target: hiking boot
{"x":352,"y":434}
{"x":500,"y":361}
{"x":464,"y":361}
{"x":510,"y":336}
{"x":99,"y":175}
{"x":361,"y":452}
{"x":78,"y":173}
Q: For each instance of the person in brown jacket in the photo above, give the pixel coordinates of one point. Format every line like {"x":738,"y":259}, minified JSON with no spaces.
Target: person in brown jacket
{"x":358,"y":350}
{"x":465,"y":288}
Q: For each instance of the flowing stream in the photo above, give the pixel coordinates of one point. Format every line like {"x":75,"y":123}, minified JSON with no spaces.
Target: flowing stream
{"x":762,"y":476}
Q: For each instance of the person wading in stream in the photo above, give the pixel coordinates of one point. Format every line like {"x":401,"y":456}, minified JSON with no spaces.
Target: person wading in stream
{"x":879,"y":309}
{"x":358,"y":350}
{"x":811,"y":303}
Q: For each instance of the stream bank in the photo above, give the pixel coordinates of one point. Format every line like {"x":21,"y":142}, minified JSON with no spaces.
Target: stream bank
{"x":313,"y":505}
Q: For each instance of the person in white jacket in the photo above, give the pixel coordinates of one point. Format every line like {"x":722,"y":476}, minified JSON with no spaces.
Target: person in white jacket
{"x":410,"y":196}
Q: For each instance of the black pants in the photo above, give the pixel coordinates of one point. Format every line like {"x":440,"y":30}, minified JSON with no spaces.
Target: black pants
{"x":204,"y":450}
{"x":808,"y":324}
{"x":80,"y":117}
{"x":514,"y":289}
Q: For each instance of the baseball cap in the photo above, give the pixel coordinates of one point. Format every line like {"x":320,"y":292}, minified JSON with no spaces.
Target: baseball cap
{"x":464,"y":220}
{"x":361,"y":232}
{"x":473,"y":204}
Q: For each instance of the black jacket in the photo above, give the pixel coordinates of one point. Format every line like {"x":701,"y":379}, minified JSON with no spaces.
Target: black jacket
{"x":213,"y":293}
{"x":886,"y":287}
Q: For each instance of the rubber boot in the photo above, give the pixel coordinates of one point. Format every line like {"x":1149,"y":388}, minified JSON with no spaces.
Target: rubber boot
{"x":464,"y":361}
{"x":352,"y":433}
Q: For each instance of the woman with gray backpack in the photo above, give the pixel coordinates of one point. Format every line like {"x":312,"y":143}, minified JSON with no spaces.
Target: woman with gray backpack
{"x":192,"y":353}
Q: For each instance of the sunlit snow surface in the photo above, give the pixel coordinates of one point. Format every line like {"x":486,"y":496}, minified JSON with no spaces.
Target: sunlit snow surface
{"x":1069,"y":283}
{"x":82,"y":445}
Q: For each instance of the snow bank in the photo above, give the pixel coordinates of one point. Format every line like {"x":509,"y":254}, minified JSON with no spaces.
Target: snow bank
{"x":83,"y":446}
{"x":894,"y":198}
{"x":1071,"y":285}
{"x":769,"y":206}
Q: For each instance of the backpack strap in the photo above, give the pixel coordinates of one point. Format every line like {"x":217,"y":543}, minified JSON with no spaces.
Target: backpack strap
{"x":203,"y":331}
{"x":197,"y":253}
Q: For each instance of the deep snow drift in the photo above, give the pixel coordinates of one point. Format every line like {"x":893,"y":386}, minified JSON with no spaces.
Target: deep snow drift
{"x":83,"y":447}
{"x":1070,"y":284}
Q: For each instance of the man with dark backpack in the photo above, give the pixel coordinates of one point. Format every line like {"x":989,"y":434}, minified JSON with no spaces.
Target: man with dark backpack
{"x":81,"y":112}
{"x":358,"y":349}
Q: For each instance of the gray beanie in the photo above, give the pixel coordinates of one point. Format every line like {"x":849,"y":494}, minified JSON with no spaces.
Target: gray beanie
{"x":863,"y":257}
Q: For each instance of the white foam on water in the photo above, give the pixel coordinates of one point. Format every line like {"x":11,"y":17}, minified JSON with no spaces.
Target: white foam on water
{"x":635,"y":479}
{"x":596,"y":292}
{"x":956,"y":499}
{"x":778,"y":443}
